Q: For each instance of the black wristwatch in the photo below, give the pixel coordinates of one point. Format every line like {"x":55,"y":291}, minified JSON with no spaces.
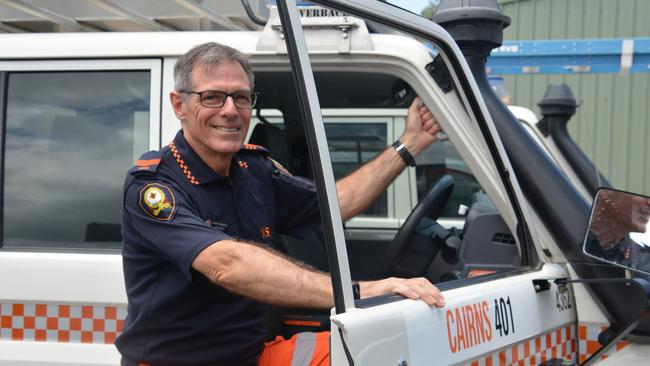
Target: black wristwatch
{"x":404,"y":153}
{"x":356,"y":290}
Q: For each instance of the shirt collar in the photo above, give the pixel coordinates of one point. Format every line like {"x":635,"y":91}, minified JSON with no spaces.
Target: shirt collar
{"x":194,"y":168}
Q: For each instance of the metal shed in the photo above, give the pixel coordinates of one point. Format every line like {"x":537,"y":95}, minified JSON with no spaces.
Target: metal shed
{"x":612,"y":123}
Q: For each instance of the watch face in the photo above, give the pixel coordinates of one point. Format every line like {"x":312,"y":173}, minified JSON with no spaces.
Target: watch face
{"x":356,"y":290}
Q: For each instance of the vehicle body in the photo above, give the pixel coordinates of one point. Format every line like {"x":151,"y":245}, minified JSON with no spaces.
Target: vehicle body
{"x":65,"y":155}
{"x":529,"y":120}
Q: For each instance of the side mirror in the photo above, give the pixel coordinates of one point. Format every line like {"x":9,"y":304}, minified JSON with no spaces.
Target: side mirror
{"x":618,"y":229}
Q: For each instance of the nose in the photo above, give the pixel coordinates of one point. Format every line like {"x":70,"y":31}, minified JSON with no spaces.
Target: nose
{"x":229,"y":105}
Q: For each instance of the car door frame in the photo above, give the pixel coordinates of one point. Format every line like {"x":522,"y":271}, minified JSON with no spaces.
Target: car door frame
{"x":303,"y":77}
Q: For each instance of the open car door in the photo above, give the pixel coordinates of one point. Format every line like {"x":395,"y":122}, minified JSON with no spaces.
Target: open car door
{"x":497,"y":314}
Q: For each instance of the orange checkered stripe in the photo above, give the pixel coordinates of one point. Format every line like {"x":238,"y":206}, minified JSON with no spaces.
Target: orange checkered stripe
{"x":181,"y":163}
{"x":60,"y":323}
{"x":588,"y":341}
{"x":558,"y":343}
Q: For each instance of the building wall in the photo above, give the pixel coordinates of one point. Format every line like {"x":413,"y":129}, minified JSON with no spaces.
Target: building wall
{"x":611,"y":124}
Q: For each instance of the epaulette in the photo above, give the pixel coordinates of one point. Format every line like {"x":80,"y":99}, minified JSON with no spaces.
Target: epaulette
{"x":255,"y":148}
{"x":279,"y":166}
{"x":147,"y":164}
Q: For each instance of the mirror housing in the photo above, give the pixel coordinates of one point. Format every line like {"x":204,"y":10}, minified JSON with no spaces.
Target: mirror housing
{"x":618,"y":230}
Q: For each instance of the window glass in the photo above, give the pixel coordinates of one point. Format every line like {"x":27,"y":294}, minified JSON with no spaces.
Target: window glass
{"x":70,"y":138}
{"x":486,"y":242}
{"x":353,"y":144}
{"x":437,"y":160}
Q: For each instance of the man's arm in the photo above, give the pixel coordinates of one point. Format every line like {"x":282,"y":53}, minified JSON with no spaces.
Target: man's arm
{"x":252,"y":271}
{"x":358,"y":190}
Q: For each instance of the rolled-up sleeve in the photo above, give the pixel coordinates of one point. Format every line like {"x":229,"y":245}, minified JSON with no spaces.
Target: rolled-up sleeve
{"x":163,"y":216}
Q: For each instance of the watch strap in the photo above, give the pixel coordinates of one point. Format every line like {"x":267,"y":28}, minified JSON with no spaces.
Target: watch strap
{"x":404,"y":153}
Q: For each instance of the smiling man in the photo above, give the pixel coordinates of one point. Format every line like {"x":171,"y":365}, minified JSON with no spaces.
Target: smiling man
{"x":199,"y":214}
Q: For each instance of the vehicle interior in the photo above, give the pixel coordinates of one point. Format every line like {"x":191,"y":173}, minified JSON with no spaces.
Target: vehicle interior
{"x":480,"y":245}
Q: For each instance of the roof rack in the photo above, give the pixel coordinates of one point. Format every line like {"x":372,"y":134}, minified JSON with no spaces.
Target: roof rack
{"x":26,"y":16}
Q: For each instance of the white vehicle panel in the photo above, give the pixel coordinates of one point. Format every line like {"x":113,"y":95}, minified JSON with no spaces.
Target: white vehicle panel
{"x":379,"y":334}
{"x":85,"y":284}
{"x":63,"y":277}
{"x":632,"y":354}
{"x":118,"y":44}
{"x":57,"y":354}
{"x":529,"y":120}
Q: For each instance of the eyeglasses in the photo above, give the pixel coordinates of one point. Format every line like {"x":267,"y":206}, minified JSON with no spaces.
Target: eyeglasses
{"x":216,"y":99}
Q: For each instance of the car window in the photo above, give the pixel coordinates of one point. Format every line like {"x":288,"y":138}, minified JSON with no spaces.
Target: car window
{"x":352,"y":140}
{"x":69,"y":139}
{"x":439,"y":159}
{"x":352,"y":145}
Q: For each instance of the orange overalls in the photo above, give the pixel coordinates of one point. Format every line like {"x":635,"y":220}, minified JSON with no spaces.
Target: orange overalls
{"x":303,"y":349}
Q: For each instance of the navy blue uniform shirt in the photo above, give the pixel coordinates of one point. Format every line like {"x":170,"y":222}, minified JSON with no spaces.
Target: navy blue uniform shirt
{"x":174,"y":207}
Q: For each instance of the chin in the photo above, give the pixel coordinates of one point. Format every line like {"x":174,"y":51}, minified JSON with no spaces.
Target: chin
{"x":224,"y":147}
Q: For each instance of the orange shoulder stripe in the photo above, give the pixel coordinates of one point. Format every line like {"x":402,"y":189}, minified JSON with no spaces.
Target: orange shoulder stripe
{"x":147,"y":162}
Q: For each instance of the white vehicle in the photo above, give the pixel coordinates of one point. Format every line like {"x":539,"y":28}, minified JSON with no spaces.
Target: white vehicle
{"x":78,"y":112}
{"x":530,"y":121}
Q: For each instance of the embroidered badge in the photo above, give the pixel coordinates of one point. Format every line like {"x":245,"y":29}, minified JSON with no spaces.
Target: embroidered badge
{"x":157,"y":201}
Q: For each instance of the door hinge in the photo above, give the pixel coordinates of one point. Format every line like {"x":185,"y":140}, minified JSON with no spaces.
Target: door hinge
{"x":541,"y":285}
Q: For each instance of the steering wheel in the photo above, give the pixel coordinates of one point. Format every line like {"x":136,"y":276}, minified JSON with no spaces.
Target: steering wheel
{"x":433,"y":203}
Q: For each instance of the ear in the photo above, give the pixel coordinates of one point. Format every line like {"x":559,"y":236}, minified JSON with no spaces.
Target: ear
{"x":176,"y":99}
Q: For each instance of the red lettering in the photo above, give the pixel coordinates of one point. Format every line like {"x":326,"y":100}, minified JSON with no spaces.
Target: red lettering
{"x":486,"y":310}
{"x":452,"y":340}
{"x":468,"y":339}
{"x":469,"y":325}
{"x":480,"y":332}
{"x":472,"y":325}
{"x":460,"y":334}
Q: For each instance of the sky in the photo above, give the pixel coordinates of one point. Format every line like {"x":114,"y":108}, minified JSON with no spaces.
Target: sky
{"x":414,"y":6}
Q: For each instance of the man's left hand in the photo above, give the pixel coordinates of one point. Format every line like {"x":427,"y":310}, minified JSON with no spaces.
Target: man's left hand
{"x":421,"y":128}
{"x":413,"y":288}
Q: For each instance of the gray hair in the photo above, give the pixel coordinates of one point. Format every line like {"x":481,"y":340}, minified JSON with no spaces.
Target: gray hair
{"x":207,"y":54}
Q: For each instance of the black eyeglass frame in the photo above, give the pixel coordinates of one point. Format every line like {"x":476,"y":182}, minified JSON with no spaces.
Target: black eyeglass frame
{"x":254,"y":96}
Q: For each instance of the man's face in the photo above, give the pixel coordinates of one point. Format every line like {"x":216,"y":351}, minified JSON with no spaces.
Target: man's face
{"x":639,"y":213}
{"x":628,"y":212}
{"x":214,"y":131}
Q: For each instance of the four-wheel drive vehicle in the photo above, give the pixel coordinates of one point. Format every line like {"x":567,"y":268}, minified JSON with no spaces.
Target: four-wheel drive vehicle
{"x":77,"y":113}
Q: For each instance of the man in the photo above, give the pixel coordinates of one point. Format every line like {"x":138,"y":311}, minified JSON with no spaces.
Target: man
{"x":195,"y":211}
{"x":614,"y":216}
